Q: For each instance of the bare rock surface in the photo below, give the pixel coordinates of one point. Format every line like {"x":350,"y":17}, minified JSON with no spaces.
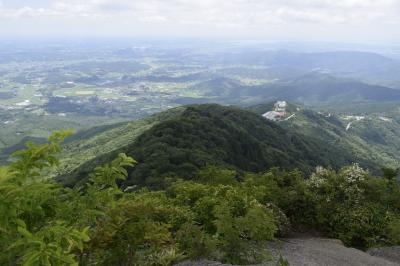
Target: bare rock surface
{"x":322,"y":252}
{"x":388,"y":253}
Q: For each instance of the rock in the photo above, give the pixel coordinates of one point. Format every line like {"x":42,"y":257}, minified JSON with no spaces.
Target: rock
{"x":388,"y":253}
{"x":324,"y":252}
{"x":315,"y":251}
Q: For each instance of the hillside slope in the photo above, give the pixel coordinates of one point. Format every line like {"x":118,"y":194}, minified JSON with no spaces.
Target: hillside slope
{"x":90,"y":144}
{"x":368,"y":137}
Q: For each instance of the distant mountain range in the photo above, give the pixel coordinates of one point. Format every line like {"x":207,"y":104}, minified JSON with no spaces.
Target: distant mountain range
{"x":311,"y":88}
{"x":364,"y":66}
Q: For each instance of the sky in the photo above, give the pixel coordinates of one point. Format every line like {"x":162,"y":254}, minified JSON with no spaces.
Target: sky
{"x":363,"y":21}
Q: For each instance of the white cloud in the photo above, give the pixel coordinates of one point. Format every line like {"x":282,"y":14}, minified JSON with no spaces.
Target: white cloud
{"x":208,"y":15}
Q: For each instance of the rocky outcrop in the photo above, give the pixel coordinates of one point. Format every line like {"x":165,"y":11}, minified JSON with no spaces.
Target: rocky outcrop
{"x":322,"y":252}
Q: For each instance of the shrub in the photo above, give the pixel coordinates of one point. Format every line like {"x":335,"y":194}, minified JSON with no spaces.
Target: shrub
{"x":352,"y":205}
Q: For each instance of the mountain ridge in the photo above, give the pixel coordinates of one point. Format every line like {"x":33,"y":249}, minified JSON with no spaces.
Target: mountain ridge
{"x":226,"y":136}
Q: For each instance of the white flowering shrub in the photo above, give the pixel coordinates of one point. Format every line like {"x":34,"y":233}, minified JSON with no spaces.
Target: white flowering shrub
{"x":351,"y":205}
{"x":318,"y":178}
{"x":353,"y":174}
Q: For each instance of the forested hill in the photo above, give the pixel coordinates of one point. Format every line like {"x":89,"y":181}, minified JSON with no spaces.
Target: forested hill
{"x":216,"y":135}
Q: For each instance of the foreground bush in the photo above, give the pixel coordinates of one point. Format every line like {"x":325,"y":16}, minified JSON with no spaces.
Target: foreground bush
{"x":355,"y":207}
{"x":214,"y":216}
{"x":43,"y":223}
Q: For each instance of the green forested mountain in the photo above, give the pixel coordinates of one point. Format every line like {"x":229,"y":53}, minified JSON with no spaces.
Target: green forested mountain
{"x":226,"y":136}
{"x":178,"y":143}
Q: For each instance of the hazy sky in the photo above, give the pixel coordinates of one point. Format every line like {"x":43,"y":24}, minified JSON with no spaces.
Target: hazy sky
{"x":292,"y":20}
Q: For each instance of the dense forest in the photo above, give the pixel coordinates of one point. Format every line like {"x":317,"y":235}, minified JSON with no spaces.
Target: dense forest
{"x":213,"y":215}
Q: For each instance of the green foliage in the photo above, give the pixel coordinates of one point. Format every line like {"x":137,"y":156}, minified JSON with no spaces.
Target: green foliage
{"x":214,"y":175}
{"x":138,"y":230}
{"x":44,"y":223}
{"x":40,"y":225}
{"x":51,"y":245}
{"x":106,"y":176}
{"x":36,"y":157}
{"x":30,"y":232}
{"x":390,"y":173}
{"x":191,"y":238}
{"x":286,"y":193}
{"x":282,"y":261}
{"x":393,"y":230}
{"x":230,"y":217}
{"x":234,"y":225}
{"x":216,"y":215}
{"x":354,"y":206}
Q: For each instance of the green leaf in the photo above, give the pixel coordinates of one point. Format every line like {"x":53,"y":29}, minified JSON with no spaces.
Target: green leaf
{"x":24,"y":232}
